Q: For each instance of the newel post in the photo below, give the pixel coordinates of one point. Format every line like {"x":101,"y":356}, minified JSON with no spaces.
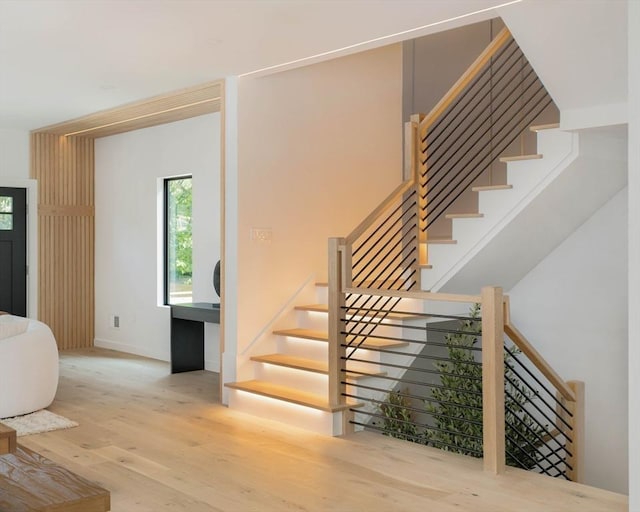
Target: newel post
{"x":414,"y":168}
{"x":493,"y":431}
{"x":575,"y":436}
{"x":337,"y":351}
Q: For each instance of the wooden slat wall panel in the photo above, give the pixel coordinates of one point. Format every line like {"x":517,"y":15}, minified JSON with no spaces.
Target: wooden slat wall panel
{"x":64,"y":168}
{"x":166,"y":108}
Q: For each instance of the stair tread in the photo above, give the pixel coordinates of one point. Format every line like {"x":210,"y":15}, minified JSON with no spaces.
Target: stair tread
{"x":491,"y":187}
{"x":303,"y":333}
{"x":464,"y":215}
{"x":299,"y":363}
{"x":312,"y":365}
{"x":323,"y":336}
{"x":540,"y":127}
{"x":323,"y":308}
{"x":288,"y":394}
{"x":441,"y":241}
{"x":519,"y":158}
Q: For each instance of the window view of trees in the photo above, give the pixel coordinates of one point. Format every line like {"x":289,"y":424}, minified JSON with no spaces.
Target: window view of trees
{"x":179,"y":241}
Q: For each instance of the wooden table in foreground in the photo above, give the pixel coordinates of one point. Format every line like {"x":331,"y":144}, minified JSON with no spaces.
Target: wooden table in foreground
{"x":30,"y":482}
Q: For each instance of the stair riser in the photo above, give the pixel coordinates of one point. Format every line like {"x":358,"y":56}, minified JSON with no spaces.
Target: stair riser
{"x":498,"y":207}
{"x":316,"y":350}
{"x":312,"y":320}
{"x":313,"y":420}
{"x":300,"y":380}
{"x":322,"y":294}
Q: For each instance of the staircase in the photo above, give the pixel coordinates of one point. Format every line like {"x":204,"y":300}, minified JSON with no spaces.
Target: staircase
{"x":547,"y":195}
{"x":550,"y":187}
{"x":291,"y":383}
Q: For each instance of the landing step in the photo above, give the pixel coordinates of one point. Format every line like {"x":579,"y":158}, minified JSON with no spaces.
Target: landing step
{"x":323,"y":308}
{"x":491,"y":187}
{"x":431,"y":241}
{"x":540,"y":127}
{"x":311,"y":365}
{"x":287,"y":394}
{"x":464,"y":215}
{"x":520,"y":158}
{"x":323,"y":336}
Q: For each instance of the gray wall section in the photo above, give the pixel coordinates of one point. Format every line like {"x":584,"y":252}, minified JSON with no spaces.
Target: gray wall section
{"x":431,"y":65}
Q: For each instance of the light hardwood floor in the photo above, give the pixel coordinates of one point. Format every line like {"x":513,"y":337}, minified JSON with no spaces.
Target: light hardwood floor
{"x":161,"y":442}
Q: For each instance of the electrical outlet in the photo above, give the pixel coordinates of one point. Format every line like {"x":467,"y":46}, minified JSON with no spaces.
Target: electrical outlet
{"x":261,"y":234}
{"x":114,"y":321}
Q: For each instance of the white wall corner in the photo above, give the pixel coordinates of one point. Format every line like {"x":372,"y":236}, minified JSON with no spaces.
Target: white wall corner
{"x":633,"y":41}
{"x":594,"y":117}
{"x":230,"y":236}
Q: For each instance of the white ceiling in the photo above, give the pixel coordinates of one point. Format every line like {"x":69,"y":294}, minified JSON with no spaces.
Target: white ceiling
{"x":61,"y":59}
{"x":579,"y":48}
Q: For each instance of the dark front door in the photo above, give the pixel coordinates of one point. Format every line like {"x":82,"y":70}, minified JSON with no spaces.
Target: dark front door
{"x":13,"y":250}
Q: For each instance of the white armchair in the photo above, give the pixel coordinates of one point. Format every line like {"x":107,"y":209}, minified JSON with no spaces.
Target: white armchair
{"x":28,"y":366}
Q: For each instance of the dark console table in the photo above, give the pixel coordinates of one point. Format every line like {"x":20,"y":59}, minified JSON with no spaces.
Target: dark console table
{"x":187,"y":334}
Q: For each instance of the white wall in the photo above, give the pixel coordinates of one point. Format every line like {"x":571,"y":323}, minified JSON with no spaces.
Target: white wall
{"x":573,"y":307}
{"x":578,"y":35}
{"x":129,"y":168}
{"x":14,"y":153}
{"x":634,"y":255}
{"x":319,"y":148}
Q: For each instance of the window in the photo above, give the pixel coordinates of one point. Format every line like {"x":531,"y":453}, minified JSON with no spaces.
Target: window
{"x":178,"y":241}
{"x":6,"y":213}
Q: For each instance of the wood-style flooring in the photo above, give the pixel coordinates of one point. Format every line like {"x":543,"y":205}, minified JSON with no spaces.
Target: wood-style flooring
{"x":162,"y":442}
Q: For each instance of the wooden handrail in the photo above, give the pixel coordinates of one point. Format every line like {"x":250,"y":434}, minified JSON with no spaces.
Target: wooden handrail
{"x":510,"y":330}
{"x":534,"y":356}
{"x":382,"y":207}
{"x":405,"y":294}
{"x":498,"y":42}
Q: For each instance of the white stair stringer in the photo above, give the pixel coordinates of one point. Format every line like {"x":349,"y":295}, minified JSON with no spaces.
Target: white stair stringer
{"x":549,"y":199}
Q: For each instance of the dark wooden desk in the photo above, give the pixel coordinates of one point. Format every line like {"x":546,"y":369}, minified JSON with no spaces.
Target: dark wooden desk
{"x":187,"y":334}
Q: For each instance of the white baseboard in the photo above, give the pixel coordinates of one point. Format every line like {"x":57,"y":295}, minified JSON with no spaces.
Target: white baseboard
{"x":210,"y":365}
{"x":127,"y":348}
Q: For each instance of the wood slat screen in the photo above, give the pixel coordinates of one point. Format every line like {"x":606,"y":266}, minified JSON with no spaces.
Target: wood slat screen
{"x":64,"y":168}
{"x":165,"y":108}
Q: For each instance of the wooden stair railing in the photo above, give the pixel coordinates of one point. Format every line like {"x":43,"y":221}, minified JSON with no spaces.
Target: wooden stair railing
{"x":379,"y":263}
{"x":556,"y":424}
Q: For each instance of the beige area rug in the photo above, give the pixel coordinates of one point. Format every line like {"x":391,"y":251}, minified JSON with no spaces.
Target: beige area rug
{"x":38,"y":422}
